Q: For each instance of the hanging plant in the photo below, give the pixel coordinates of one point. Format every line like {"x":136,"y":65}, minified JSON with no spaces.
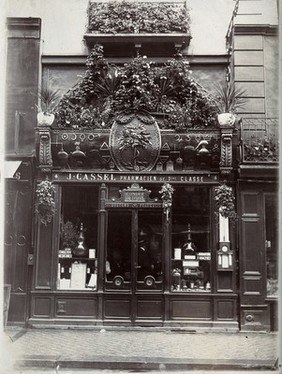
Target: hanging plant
{"x":166,"y":195}
{"x":225,"y":201}
{"x":45,"y":203}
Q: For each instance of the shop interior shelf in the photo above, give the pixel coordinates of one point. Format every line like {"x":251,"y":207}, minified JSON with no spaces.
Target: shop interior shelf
{"x":72,"y":259}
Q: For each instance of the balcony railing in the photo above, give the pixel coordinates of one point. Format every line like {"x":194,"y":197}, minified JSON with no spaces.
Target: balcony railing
{"x":259,"y":139}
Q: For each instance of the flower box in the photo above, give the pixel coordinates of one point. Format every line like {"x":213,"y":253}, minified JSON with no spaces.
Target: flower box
{"x":132,"y":17}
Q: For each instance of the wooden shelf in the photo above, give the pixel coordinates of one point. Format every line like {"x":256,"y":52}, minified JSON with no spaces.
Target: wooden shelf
{"x":77,"y":259}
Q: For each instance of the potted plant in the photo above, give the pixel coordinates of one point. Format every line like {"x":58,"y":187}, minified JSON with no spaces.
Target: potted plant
{"x":228,"y":100}
{"x":48,"y":98}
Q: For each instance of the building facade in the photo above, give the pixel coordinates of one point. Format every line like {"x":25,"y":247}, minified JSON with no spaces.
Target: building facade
{"x":136,"y":207}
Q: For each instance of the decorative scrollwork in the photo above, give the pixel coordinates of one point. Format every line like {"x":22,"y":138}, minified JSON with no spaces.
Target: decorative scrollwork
{"x":45,"y":157}
{"x":226,"y":151}
{"x":249,"y":318}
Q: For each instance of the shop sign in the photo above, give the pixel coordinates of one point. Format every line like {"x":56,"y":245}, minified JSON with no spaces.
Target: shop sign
{"x":112,"y":204}
{"x":137,"y":197}
{"x":134,"y":196}
{"x":117,"y":177}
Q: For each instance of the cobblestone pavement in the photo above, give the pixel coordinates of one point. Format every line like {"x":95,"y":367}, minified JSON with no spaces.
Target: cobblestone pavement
{"x":77,"y":343}
{"x":108,"y":345}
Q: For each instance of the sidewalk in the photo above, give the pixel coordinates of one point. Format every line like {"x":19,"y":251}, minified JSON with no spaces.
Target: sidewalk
{"x":140,"y":349}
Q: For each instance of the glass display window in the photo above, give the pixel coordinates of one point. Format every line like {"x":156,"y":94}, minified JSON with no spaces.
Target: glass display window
{"x":191,"y":240}
{"x":77,"y":255}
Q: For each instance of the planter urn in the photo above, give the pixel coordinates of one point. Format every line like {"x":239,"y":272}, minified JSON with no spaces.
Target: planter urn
{"x":226,"y":119}
{"x":45,"y":119}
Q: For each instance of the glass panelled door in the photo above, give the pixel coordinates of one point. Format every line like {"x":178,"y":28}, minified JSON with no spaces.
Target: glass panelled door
{"x":134,"y":250}
{"x":118,"y":266}
{"x":149,"y":250}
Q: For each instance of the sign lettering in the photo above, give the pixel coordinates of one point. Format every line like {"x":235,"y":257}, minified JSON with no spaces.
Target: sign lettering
{"x":110,"y":204}
{"x":116,"y":177}
{"x":134,"y":196}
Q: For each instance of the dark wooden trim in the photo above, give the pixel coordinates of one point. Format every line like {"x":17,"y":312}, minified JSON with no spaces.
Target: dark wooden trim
{"x":219,"y":310}
{"x":40,"y":252}
{"x":56,"y":235}
{"x":181,"y":39}
{"x":167,"y":251}
{"x":255,"y":171}
{"x":214,"y":239}
{"x":102,"y":237}
{"x":134,"y":261}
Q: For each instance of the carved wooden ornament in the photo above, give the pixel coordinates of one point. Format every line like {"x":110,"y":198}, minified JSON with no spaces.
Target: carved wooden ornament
{"x":135,"y":142}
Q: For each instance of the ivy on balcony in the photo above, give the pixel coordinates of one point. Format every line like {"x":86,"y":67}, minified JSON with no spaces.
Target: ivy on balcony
{"x":106,"y":91}
{"x":135,"y":17}
{"x":260,"y":140}
{"x":265,"y":150}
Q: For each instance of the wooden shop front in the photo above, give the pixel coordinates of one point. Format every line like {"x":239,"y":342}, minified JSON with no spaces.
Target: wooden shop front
{"x":134,"y":245}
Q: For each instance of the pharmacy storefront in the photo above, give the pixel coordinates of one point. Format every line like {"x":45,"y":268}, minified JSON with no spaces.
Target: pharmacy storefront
{"x":135,"y":236}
